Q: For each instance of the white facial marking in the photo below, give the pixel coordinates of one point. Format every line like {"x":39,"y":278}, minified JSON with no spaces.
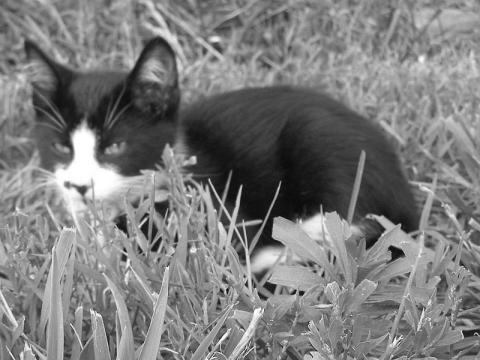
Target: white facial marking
{"x":85,"y":171}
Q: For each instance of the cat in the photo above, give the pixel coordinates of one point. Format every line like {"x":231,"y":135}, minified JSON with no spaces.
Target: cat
{"x":97,"y":130}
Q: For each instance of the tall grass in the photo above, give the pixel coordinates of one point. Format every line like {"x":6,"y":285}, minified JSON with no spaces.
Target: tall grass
{"x":191,"y":297}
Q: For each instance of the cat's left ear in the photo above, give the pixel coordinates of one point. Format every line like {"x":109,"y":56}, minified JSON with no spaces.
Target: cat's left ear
{"x":46,"y":75}
{"x":153,"y":82}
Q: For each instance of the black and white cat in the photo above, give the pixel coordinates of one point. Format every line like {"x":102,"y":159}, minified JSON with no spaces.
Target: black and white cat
{"x":96,"y":130}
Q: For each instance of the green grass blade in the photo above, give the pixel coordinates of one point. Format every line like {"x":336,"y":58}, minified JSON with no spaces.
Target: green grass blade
{"x":6,"y":311}
{"x":100,"y":344}
{"x":62,"y":251}
{"x":208,"y":340}
{"x":125,"y":323}
{"x":124,"y":348}
{"x":69,"y":282}
{"x":356,"y":187}
{"x":360,"y":294}
{"x":155,"y":330}
{"x":27,"y":353}
{"x":292,"y":236}
{"x":427,"y":207}
{"x":249,"y":332}
{"x":55,"y":331}
{"x":339,"y":232}
{"x":296,"y":277}
{"x":77,"y":329}
{"x":88,"y":352}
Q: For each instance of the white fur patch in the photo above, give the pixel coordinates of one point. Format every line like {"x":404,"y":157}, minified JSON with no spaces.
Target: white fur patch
{"x":263,"y":259}
{"x":84,"y":170}
{"x":315,"y":228}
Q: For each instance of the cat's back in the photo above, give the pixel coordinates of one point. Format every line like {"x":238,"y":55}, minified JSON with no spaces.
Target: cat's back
{"x":306,"y":140}
{"x":259,"y":105}
{"x":256,"y":119}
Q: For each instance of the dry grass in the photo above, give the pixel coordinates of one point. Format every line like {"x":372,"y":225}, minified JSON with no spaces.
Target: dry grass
{"x":368,"y":54}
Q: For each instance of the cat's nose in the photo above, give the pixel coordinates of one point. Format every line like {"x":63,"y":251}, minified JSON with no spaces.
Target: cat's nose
{"x":81,"y":189}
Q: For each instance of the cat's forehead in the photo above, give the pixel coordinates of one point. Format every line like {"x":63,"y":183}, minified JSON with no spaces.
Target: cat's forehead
{"x":88,"y":89}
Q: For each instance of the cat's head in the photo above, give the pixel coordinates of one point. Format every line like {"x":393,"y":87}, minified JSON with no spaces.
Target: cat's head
{"x":97,"y":130}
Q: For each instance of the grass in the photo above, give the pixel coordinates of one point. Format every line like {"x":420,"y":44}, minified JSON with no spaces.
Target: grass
{"x":192,"y":298}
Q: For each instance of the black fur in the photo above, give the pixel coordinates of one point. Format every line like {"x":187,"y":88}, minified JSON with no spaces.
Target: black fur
{"x":306,"y":140}
{"x":303,"y":139}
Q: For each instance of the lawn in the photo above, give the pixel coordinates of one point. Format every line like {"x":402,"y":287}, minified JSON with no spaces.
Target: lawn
{"x":82,"y":289}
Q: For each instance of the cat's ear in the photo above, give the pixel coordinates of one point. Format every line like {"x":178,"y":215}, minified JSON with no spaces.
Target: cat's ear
{"x":153,"y":81}
{"x":45,"y":75}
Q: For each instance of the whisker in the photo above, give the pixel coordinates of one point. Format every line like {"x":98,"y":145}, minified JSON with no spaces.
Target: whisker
{"x":39,"y":185}
{"x":57,"y":114}
{"x":50,"y":116}
{"x":205,"y":175}
{"x":117,"y":117}
{"x":42,"y":176}
{"x":44,"y":171}
{"x":53,"y":108}
{"x":49,"y":125}
{"x":109,"y":114}
{"x":45,"y":175}
{"x":42,"y":185}
{"x":129,"y":185}
{"x":58,"y":122}
{"x":46,"y":181}
{"x":112,"y":115}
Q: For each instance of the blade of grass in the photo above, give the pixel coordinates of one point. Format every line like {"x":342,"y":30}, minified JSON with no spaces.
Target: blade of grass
{"x":155,"y":330}
{"x":77,"y":331}
{"x":292,"y":236}
{"x":427,"y":208}
{"x":339,"y":231}
{"x":62,"y":251}
{"x":249,"y":332}
{"x":27,"y":353}
{"x":124,"y":317}
{"x":398,"y":317}
{"x":255,"y":239}
{"x":100,"y":344}
{"x":356,"y":187}
{"x":55,"y":332}
{"x":208,"y":340}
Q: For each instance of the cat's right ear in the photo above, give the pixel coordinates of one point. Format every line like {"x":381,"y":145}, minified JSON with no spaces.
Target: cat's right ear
{"x":45,"y":75}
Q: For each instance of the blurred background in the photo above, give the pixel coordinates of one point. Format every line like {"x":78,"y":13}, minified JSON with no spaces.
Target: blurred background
{"x":411,"y":66}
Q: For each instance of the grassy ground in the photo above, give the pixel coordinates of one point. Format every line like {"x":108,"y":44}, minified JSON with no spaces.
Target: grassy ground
{"x":199,"y":300}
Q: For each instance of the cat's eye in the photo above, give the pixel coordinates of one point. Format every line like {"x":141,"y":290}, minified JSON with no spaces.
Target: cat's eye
{"x":61,"y":148}
{"x":115,"y":148}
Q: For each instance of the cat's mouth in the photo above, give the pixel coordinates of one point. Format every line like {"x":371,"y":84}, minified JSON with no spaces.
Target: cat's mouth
{"x":109,"y":205}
